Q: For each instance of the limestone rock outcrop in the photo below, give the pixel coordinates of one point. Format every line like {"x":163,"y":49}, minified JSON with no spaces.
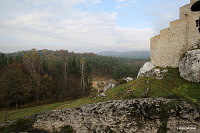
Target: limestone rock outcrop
{"x":128,"y":116}
{"x":128,"y":79}
{"x":147,"y":67}
{"x":110,"y":85}
{"x":189,"y":66}
{"x":150,"y":70}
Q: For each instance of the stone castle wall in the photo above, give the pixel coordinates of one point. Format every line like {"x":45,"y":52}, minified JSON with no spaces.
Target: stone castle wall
{"x":168,"y":47}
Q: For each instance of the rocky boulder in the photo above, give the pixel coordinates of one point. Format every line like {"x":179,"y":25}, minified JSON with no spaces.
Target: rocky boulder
{"x":189,"y":66}
{"x":110,"y":85}
{"x":196,"y":45}
{"x":150,"y":70}
{"x":128,"y":79}
{"x":148,"y":66}
{"x":128,"y":116}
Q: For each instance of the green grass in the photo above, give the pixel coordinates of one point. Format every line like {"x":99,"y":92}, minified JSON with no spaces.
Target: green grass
{"x":16,"y":114}
{"x":172,"y":86}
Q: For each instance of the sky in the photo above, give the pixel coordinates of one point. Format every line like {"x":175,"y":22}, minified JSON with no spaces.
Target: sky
{"x":84,"y":25}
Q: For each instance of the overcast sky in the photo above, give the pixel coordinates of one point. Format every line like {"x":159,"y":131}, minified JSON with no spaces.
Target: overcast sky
{"x":83,"y":25}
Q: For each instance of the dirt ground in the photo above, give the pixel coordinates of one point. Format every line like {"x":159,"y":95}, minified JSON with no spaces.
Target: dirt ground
{"x":100,"y":82}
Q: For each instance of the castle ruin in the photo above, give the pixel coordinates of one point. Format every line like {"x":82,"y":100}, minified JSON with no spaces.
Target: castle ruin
{"x":168,"y":48}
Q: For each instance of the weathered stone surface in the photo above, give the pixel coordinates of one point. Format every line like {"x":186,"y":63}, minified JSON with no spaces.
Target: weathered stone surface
{"x":102,"y":94}
{"x":128,"y":79}
{"x":128,"y":116}
{"x":110,"y":85}
{"x":6,"y":124}
{"x":196,"y":45}
{"x":189,"y":66}
{"x":148,"y":66}
{"x":149,"y":70}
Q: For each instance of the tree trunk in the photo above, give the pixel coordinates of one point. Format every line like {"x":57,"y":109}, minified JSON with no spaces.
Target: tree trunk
{"x":38,"y":86}
{"x":82,"y":78}
{"x":16,"y":101}
{"x":65,"y":76}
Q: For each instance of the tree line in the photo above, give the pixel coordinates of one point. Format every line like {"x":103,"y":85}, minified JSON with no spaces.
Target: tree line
{"x":115,"y":67}
{"x":44,"y":76}
{"x":32,"y":78}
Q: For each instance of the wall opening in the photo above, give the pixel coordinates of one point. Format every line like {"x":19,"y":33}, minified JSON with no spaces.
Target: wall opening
{"x":198,"y":24}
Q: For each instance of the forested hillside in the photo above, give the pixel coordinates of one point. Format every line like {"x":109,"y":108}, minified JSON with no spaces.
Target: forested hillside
{"x":31,"y":78}
{"x":44,"y":76}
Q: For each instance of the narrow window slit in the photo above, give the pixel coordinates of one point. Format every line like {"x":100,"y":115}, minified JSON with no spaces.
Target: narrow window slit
{"x":197,"y":23}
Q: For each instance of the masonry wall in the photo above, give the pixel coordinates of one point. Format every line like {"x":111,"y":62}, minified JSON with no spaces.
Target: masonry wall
{"x":168,"y":47}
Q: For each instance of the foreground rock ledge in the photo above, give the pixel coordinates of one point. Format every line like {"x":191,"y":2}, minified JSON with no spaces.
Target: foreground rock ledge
{"x":138,"y":115}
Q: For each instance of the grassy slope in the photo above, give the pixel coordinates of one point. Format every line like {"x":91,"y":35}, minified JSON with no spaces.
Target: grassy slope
{"x":15,"y":114}
{"x":172,"y":86}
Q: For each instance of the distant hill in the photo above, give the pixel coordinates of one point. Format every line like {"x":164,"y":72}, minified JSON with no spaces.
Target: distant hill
{"x":61,"y":54}
{"x":128,"y":54}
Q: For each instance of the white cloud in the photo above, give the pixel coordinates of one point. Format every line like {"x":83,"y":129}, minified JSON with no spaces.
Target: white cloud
{"x":96,"y":1}
{"x":124,"y":3}
{"x":163,"y":14}
{"x":60,"y":26}
{"x":121,"y":0}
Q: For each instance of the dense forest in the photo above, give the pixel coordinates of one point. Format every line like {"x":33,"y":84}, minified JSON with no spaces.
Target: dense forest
{"x":115,"y":67}
{"x":44,"y":76}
